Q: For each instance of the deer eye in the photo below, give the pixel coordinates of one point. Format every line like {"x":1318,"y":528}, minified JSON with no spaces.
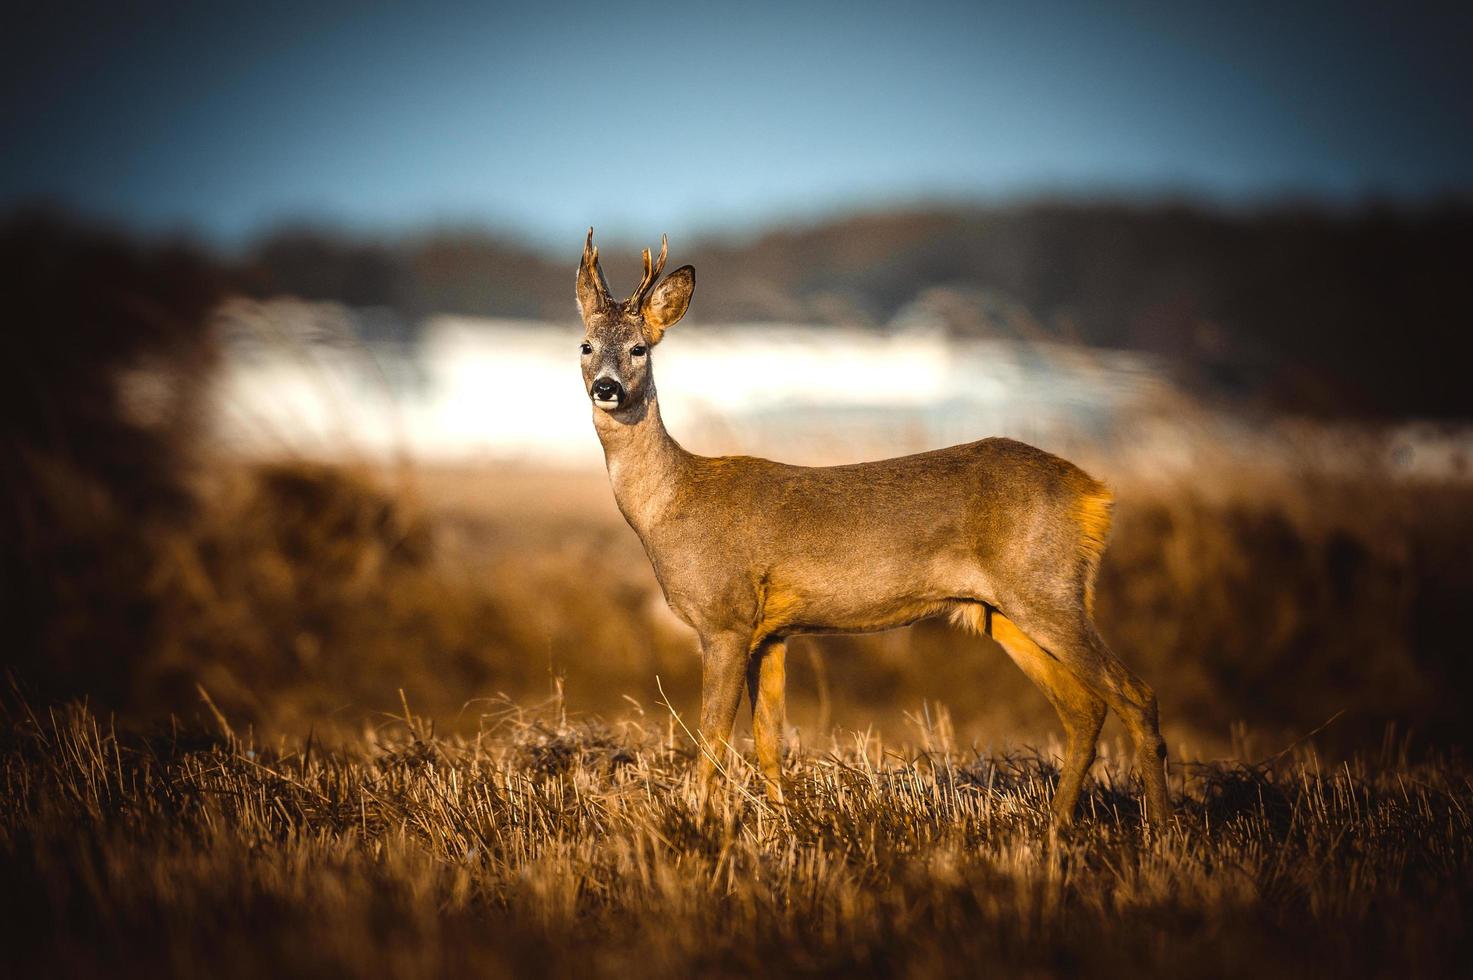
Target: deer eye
{"x":585,"y":348}
{"x":638,"y":350}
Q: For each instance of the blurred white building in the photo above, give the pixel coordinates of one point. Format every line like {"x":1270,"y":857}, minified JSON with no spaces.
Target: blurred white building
{"x":299,"y":379}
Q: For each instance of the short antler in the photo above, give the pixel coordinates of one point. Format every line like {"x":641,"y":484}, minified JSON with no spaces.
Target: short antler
{"x":593,"y":288}
{"x":651,"y":273}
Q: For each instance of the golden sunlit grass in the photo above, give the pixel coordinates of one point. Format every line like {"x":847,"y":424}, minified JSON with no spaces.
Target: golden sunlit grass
{"x":553,"y":844}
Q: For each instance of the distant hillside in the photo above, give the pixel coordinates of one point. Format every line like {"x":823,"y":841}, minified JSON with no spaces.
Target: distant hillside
{"x":1366,"y":312}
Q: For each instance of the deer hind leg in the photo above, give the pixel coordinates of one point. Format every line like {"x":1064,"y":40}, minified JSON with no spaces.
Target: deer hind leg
{"x":1071,"y":638}
{"x":1080,"y":709}
{"x":723,"y":663}
{"x":766,"y":676}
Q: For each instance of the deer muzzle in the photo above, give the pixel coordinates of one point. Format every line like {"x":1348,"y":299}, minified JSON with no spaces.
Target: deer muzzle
{"x":607,"y":394}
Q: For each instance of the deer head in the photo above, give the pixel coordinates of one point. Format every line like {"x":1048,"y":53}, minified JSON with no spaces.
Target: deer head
{"x":617,"y":337}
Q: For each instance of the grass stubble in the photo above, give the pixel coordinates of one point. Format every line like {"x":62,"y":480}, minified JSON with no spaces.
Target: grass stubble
{"x":549,"y":844}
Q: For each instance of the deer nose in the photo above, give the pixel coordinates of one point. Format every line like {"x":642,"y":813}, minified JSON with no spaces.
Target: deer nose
{"x":608,"y":390}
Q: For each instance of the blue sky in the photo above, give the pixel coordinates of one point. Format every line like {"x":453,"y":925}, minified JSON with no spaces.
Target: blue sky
{"x":716,"y":118}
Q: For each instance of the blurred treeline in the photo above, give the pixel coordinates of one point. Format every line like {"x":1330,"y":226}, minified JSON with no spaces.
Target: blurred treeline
{"x":137,"y":563}
{"x":1363,"y":311}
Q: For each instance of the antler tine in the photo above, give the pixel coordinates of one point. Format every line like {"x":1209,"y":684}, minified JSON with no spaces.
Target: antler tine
{"x":645,"y":282}
{"x":664,"y":250}
{"x":651,"y":272}
{"x":592,"y":272}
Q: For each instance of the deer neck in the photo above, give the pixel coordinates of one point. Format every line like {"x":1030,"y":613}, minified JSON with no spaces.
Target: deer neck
{"x":645,"y":465}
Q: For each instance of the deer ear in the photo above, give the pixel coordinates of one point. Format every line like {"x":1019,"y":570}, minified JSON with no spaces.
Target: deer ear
{"x":668,"y":302}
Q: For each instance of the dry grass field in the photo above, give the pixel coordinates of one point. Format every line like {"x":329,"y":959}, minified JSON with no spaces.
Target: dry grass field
{"x":285,"y":717}
{"x":546,"y":844}
{"x":361,"y":793}
{"x":333,"y":754}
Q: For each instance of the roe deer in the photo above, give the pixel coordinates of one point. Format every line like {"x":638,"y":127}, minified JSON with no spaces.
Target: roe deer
{"x":1003,"y":537}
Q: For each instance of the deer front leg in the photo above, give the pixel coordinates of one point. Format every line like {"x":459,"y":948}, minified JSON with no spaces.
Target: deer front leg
{"x":766,"y":677}
{"x":723,"y":664}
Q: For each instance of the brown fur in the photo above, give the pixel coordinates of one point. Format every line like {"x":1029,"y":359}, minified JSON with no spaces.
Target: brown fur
{"x":1093,"y":514}
{"x":749,"y":551}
